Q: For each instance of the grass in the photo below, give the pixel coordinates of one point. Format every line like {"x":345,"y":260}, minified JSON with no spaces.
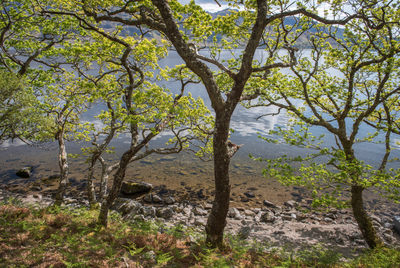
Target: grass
{"x":62,"y":237}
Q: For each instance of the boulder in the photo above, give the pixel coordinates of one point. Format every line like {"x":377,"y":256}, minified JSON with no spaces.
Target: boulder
{"x":127,"y":206}
{"x":130,"y":187}
{"x":24,"y":172}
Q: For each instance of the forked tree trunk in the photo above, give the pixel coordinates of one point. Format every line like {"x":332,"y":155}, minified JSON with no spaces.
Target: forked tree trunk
{"x":63,"y":163}
{"x":363,"y":220}
{"x":217,"y":219}
{"x":117,"y":182}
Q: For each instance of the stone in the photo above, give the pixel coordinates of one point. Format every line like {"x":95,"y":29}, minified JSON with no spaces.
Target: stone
{"x":396,"y":222}
{"x":388,"y":225}
{"x":149,"y":211}
{"x":248,"y":212}
{"x":127,"y":206}
{"x":169,"y":200}
{"x":130,"y":187}
{"x":244,"y":199}
{"x":24,"y":172}
{"x":249,"y":194}
{"x":290,"y":203}
{"x":200,"y":194}
{"x":200,"y":222}
{"x":234,"y":213}
{"x":157,"y":199}
{"x":267,"y":217}
{"x":186,"y":211}
{"x":148,"y":198}
{"x":165,"y":213}
{"x":208,"y":206}
{"x":376,"y":219}
{"x":199,"y":211}
{"x":244,"y":232}
{"x":268,"y":204}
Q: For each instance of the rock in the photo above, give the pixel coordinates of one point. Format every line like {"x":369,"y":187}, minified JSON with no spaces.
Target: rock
{"x":244,"y":199}
{"x":290,"y":203}
{"x":267,"y":217}
{"x":234,"y":213}
{"x":396,"y":222}
{"x":244,"y":232}
{"x":130,"y":187}
{"x":268,"y":204}
{"x":157,"y":199}
{"x":249,"y":194}
{"x":24,"y":172}
{"x":388,"y":225}
{"x":200,"y":222}
{"x":208,"y":206}
{"x":169,"y":200}
{"x":127,"y":206}
{"x":199,"y":211}
{"x":36,"y":188}
{"x":165,"y":213}
{"x":186,"y":211}
{"x":248,"y":212}
{"x":200,"y":194}
{"x":151,"y":256}
{"x":148,"y":198}
{"x":287,"y":217}
{"x":149,"y":211}
{"x":376,"y":219}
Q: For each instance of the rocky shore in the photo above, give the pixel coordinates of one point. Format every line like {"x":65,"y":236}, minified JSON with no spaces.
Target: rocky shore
{"x":293,"y":225}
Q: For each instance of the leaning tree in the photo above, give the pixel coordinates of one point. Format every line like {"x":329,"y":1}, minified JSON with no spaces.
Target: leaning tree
{"x":349,"y":79}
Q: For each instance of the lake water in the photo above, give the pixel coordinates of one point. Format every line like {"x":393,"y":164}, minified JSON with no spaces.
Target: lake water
{"x":184,"y":172}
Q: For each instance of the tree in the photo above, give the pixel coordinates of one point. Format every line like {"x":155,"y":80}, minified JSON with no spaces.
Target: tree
{"x":260,"y":24}
{"x":126,"y":78}
{"x":33,"y":48}
{"x":345,"y":81}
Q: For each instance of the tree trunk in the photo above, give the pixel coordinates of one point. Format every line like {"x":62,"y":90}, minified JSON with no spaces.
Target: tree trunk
{"x":63,"y":163}
{"x":363,"y":220}
{"x":90,"y":185}
{"x":117,"y":182}
{"x":217,"y":219}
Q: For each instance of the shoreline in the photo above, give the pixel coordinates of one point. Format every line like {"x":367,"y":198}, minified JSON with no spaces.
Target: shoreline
{"x":287,"y":226}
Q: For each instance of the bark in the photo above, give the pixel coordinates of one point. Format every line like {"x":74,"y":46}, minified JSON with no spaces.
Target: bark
{"x":63,"y":163}
{"x":217,"y":219}
{"x":117,"y":182}
{"x":363,"y":220}
{"x":90,"y":184}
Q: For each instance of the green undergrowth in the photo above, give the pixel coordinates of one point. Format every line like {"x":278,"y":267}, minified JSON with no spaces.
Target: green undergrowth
{"x":64,"y":237}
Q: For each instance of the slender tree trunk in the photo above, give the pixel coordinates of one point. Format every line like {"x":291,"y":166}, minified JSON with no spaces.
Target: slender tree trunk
{"x":104,"y":179}
{"x":217,"y":219}
{"x":117,"y":182}
{"x":90,"y":185}
{"x":363,"y":220}
{"x":63,"y":163}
